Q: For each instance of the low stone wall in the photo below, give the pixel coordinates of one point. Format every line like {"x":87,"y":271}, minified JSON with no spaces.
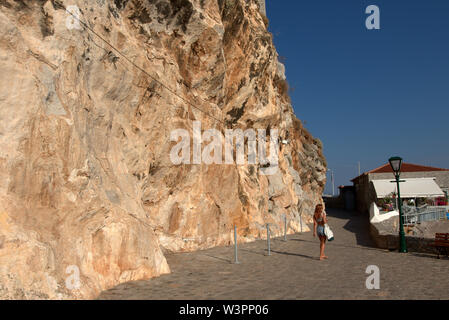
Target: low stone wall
{"x":391,"y":242}
{"x":334,"y":202}
{"x":418,"y":237}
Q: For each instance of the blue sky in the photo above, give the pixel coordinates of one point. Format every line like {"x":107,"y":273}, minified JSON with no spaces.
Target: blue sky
{"x":368,"y":94}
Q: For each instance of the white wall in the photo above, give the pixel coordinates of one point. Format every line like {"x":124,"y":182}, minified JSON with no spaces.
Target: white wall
{"x":375,"y":216}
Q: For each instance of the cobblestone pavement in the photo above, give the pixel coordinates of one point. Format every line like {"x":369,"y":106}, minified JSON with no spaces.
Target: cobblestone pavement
{"x":293,"y":271}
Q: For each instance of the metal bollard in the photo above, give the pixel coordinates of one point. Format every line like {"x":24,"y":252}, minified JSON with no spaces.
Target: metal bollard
{"x":285,"y":227}
{"x":268,"y":239}
{"x":236,"y":260}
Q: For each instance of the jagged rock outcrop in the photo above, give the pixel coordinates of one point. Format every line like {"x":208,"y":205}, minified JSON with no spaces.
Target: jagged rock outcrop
{"x":86,"y":178}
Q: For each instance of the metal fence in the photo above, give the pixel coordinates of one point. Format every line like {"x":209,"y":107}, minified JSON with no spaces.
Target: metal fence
{"x":414,"y":215}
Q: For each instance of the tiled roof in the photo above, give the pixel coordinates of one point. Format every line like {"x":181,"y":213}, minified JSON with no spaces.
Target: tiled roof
{"x":406,"y":167}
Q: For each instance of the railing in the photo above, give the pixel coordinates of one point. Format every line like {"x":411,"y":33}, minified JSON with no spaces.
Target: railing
{"x":414,"y":215}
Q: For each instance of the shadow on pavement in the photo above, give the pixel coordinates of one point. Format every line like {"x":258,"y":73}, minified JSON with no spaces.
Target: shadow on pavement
{"x":256,"y":252}
{"x":357,"y":223}
{"x":219,"y":258}
{"x":295,"y":254}
{"x":335,"y":243}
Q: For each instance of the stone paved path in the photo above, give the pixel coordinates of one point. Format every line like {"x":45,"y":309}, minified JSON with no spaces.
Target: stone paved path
{"x":293,"y":271}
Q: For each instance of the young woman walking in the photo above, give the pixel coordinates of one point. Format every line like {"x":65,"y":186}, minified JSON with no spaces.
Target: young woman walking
{"x":319,"y":219}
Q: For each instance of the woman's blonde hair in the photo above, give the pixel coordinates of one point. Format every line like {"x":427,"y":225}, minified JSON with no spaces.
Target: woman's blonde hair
{"x":319,"y":205}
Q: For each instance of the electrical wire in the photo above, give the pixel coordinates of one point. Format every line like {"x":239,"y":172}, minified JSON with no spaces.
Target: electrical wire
{"x":140,"y":68}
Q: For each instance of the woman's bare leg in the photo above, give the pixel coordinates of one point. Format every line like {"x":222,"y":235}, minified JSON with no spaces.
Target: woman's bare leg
{"x":322,"y":245}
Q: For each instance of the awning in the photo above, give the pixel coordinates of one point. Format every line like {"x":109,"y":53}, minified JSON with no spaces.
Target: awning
{"x":410,"y":188}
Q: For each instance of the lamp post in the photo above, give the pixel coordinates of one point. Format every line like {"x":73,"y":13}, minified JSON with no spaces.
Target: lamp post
{"x":396,"y":163}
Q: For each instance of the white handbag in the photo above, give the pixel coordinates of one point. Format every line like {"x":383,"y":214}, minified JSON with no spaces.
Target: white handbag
{"x":328,"y":233}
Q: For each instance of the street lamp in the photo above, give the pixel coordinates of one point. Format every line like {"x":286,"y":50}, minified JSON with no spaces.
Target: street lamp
{"x":396,"y":163}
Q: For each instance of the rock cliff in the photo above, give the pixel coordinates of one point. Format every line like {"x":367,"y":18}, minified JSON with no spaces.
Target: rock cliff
{"x":87,"y":187}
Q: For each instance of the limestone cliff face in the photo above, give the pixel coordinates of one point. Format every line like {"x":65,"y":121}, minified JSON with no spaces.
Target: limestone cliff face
{"x":86,"y":179}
